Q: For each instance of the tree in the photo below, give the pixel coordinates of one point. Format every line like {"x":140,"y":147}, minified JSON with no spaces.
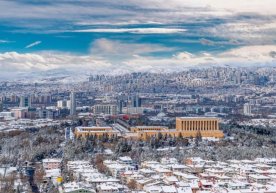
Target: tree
{"x":39,"y":174}
{"x":99,"y":164}
{"x":159,"y":136}
{"x":198,"y":138}
{"x":180,"y":136}
{"x":185,"y":142}
{"x":132,"y":185}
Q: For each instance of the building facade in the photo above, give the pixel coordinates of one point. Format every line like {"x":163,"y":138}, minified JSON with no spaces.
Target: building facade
{"x":73,"y":103}
{"x":62,"y":104}
{"x":50,"y":164}
{"x":148,"y":128}
{"x":247,"y":109}
{"x":191,"y":126}
{"x":1,"y":106}
{"x":185,"y":127}
{"x":95,"y":131}
{"x":25,"y":101}
{"x":105,"y":109}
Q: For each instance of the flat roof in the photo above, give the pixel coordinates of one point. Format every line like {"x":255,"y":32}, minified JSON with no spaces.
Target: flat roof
{"x":197,"y":118}
{"x":47,"y":160}
{"x":144,"y":126}
{"x":92,"y":131}
{"x":93,"y":127}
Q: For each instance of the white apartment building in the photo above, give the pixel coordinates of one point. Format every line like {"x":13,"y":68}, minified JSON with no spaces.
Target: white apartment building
{"x":108,"y":109}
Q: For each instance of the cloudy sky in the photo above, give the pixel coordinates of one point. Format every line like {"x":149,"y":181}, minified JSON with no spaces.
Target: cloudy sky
{"x":107,"y":36}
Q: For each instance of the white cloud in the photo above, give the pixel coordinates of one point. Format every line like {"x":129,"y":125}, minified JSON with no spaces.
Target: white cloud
{"x":4,"y":41}
{"x":60,"y":16}
{"x":55,"y":10}
{"x":243,"y":56}
{"x":13,"y":61}
{"x":131,"y":9}
{"x":264,"y":7}
{"x":183,"y":56}
{"x":122,"y":23}
{"x":135,"y":30}
{"x":256,"y":53}
{"x":36,"y":62}
{"x":33,"y":44}
{"x":111,"y":48}
{"x":250,"y":32}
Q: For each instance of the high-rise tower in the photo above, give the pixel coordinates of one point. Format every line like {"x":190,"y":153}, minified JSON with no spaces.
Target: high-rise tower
{"x":247,"y":110}
{"x":73,"y":103}
{"x":25,"y":101}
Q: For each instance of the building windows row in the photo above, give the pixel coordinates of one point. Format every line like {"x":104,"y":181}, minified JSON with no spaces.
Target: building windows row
{"x":199,"y":125}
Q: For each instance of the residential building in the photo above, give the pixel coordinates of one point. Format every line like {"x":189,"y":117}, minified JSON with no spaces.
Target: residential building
{"x":247,"y":109}
{"x":108,"y":109}
{"x":73,"y":103}
{"x":25,"y":101}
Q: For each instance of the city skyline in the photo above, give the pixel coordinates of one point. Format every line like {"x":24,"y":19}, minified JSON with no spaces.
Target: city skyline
{"x":151,"y":96}
{"x":64,"y":37}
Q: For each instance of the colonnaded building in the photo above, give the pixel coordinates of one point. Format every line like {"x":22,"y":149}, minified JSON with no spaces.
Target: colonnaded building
{"x":185,"y":126}
{"x":190,"y":126}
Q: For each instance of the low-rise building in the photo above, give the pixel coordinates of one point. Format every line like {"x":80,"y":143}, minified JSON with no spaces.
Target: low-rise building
{"x":95,"y":131}
{"x":50,"y":164}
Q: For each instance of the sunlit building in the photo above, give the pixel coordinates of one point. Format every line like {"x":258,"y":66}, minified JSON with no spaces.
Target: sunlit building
{"x":192,"y":126}
{"x":185,"y":127}
{"x":95,"y":131}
